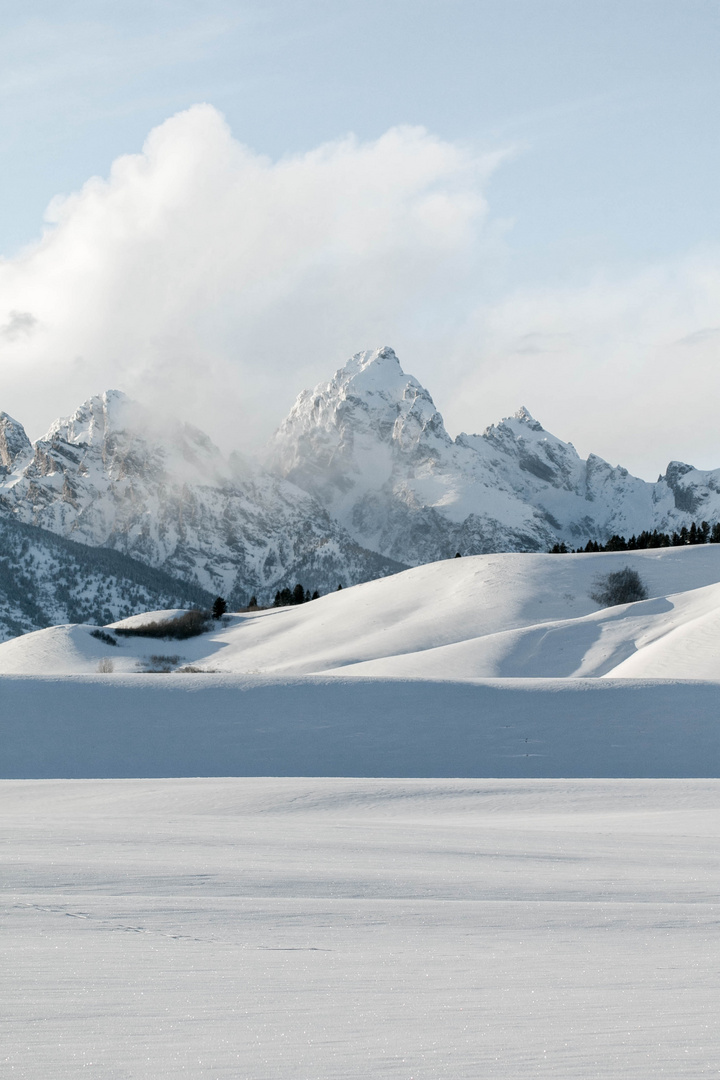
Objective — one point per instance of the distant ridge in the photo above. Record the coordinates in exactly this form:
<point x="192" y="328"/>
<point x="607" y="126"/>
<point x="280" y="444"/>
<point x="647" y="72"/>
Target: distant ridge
<point x="46" y="579"/>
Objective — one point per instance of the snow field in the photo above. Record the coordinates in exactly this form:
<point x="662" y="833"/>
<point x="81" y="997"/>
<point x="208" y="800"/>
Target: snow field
<point x="215" y="725"/>
<point x="291" y="929"/>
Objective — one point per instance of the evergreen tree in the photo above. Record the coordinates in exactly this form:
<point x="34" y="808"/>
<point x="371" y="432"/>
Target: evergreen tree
<point x="219" y="607"/>
<point x="298" y="596"/>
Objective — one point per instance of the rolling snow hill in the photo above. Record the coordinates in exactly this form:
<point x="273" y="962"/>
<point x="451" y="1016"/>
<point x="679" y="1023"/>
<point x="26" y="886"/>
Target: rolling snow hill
<point x="494" y="665"/>
<point x="487" y="616"/>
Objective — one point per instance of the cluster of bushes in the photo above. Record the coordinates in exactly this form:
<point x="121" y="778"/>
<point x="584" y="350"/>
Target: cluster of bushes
<point x="696" y="534"/>
<point x="187" y="625"/>
<point x="159" y="664"/>
<point x="298" y="595"/>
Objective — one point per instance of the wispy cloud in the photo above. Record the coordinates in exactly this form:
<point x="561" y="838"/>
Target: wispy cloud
<point x="20" y="324"/>
<point x="700" y="337"/>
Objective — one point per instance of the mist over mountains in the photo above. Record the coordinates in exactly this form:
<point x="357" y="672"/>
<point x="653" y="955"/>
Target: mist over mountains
<point x="359" y="481"/>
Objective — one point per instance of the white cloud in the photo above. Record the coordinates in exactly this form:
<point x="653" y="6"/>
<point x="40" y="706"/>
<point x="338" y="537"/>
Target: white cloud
<point x="207" y="277"/>
<point x="211" y="280"/>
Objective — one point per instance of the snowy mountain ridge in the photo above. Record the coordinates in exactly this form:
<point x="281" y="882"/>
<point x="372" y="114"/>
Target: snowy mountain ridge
<point x="113" y="476"/>
<point x="360" y="480"/>
<point x="372" y="448"/>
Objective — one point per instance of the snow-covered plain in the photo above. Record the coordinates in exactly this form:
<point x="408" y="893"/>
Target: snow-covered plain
<point x="266" y="927"/>
<point x="262" y="929"/>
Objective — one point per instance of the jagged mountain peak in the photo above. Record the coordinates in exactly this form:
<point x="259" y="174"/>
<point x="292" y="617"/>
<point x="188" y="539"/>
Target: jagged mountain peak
<point x="355" y="432"/>
<point x="379" y="364"/>
<point x="522" y="431"/>
<point x="96" y="418"/>
<point x="114" y="426"/>
<point x="525" y="417"/>
<point x="372" y="384"/>
<point x="14" y="443"/>
<point x="372" y="379"/>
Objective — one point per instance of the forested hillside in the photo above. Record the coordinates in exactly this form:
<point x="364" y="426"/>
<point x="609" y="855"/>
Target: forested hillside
<point x="45" y="579"/>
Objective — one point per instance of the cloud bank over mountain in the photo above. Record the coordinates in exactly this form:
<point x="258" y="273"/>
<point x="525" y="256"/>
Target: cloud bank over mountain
<point x="203" y="273"/>
<point x="214" y="281"/>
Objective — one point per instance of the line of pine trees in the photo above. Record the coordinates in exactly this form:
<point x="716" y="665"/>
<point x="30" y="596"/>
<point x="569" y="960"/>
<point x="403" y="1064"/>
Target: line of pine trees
<point x="298" y="595"/>
<point x="703" y="533"/>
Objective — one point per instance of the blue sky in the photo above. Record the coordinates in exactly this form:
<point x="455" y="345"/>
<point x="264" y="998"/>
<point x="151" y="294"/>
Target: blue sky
<point x="592" y="130"/>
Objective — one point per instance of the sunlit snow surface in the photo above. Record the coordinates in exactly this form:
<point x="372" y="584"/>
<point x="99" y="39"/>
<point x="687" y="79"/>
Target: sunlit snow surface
<point x="486" y="616"/>
<point x="314" y="929"/>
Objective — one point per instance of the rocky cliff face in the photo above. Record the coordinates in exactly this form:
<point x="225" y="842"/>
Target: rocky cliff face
<point x="112" y="475"/>
<point x="372" y="448"/>
<point x="15" y="447"/>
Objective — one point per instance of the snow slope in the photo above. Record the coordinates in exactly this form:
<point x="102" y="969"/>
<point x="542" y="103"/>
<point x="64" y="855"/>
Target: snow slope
<point x="347" y="930"/>
<point x="485" y="616"/>
<point x="498" y="665"/>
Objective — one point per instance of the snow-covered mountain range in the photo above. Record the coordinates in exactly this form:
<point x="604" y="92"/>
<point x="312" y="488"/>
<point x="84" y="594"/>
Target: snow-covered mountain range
<point x="113" y="475"/>
<point x="372" y="448"/>
<point x="359" y="481"/>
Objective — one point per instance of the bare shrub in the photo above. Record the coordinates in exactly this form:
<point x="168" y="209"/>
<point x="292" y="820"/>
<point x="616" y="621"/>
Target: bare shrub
<point x="105" y="666"/>
<point x="621" y="587"/>
<point x="159" y="664"/>
<point x="189" y="624"/>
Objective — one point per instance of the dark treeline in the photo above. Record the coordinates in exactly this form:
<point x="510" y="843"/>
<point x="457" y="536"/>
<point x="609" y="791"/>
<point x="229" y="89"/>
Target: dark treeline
<point x="189" y="624"/>
<point x="298" y="595"/>
<point x="696" y="534"/>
